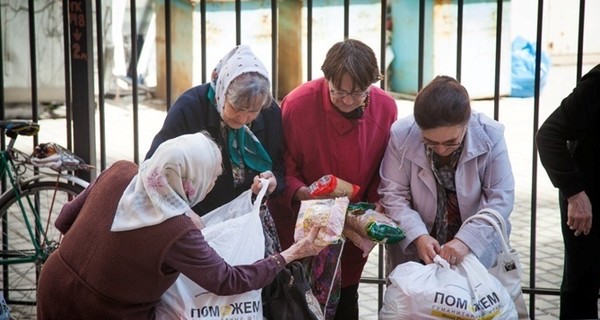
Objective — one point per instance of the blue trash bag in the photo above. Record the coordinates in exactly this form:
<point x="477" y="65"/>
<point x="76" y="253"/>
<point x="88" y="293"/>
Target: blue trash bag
<point x="4" y="309"/>
<point x="523" y="68"/>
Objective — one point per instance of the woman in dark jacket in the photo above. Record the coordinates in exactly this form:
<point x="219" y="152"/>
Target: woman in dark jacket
<point x="238" y="111"/>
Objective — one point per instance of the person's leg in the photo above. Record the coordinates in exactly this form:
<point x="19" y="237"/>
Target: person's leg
<point x="347" y="308"/>
<point x="581" y="271"/>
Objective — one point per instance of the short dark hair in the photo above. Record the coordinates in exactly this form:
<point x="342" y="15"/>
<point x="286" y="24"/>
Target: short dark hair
<point x="354" y="58"/>
<point x="444" y="102"/>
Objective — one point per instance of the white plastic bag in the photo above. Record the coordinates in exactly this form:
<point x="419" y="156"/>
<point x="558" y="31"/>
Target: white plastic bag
<point x="436" y="291"/>
<point x="508" y="266"/>
<point x="235" y="231"/>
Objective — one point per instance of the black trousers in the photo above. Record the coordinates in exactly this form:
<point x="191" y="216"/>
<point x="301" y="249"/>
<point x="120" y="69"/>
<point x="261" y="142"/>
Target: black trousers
<point x="347" y="308"/>
<point x="581" y="272"/>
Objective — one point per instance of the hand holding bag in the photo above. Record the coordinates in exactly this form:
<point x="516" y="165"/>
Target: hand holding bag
<point x="235" y="232"/>
<point x="508" y="267"/>
<point x="438" y="291"/>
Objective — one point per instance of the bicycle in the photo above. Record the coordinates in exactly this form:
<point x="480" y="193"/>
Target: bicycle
<point x="35" y="192"/>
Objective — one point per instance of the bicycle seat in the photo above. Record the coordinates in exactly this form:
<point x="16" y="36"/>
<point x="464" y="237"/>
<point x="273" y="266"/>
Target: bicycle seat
<point x="12" y="128"/>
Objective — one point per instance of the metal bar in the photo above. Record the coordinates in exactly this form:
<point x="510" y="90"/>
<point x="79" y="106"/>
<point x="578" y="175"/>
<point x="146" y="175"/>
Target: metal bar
<point x="580" y="39"/>
<point x="536" y="114"/>
<point x="309" y="30"/>
<point x="82" y="81"/>
<point x="67" y="73"/>
<point x="238" y="22"/>
<point x="459" y="39"/>
<point x="346" y="19"/>
<point x="421" y="44"/>
<point x="33" y="66"/>
<point x="101" y="111"/>
<point x="168" y="54"/>
<point x="134" y="81"/>
<point x="274" y="49"/>
<point x="203" y="39"/>
<point x="499" y="7"/>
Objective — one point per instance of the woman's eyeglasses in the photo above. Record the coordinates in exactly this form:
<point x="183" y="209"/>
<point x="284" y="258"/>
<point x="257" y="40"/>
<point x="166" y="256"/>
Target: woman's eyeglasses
<point x="448" y="144"/>
<point x="341" y="94"/>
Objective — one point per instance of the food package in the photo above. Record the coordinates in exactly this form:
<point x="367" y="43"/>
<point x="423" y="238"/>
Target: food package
<point x="367" y="228"/>
<point x="332" y="186"/>
<point x="327" y="213"/>
<point x="364" y="244"/>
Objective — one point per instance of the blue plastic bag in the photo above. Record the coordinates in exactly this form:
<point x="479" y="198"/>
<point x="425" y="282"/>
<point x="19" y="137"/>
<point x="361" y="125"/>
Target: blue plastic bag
<point x="4" y="309"/>
<point x="523" y="68"/>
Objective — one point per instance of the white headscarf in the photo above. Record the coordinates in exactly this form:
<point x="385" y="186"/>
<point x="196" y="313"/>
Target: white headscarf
<point x="239" y="60"/>
<point x="178" y="176"/>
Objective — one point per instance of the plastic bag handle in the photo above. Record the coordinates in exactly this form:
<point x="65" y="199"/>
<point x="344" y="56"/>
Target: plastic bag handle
<point x="261" y="194"/>
<point x="498" y="224"/>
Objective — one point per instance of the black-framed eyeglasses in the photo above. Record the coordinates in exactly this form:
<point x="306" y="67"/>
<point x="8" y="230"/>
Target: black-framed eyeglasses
<point x="341" y="94"/>
<point x="448" y="144"/>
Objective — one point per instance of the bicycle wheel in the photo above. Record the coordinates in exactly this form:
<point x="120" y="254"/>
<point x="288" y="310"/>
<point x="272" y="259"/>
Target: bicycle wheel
<point x="19" y="277"/>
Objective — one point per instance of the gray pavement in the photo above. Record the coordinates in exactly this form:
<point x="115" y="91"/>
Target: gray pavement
<point x="516" y="113"/>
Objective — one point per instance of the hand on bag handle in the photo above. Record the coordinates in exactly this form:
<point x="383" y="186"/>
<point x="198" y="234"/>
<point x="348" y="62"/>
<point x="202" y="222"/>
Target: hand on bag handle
<point x="264" y="186"/>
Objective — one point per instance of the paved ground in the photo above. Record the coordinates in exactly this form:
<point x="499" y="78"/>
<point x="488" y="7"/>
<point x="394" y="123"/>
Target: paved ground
<point x="516" y="113"/>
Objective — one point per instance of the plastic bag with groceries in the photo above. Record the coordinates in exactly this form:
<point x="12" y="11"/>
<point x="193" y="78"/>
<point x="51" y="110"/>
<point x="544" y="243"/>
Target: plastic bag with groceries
<point x="327" y="213"/>
<point x="366" y="227"/>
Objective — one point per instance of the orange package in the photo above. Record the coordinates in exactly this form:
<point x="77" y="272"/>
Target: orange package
<point x="332" y="186"/>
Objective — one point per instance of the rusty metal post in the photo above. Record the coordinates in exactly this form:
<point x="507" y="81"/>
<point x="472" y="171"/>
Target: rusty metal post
<point x="290" y="46"/>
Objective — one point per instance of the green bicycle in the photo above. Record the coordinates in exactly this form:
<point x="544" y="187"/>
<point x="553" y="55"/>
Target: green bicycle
<point x="35" y="187"/>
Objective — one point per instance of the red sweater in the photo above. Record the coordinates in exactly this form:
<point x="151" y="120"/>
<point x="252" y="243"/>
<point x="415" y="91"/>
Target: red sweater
<point x="319" y="141"/>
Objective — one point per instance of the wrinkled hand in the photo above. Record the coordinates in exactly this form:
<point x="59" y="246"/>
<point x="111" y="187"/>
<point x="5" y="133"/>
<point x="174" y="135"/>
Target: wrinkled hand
<point x="427" y="248"/>
<point x="195" y="219"/>
<point x="304" y="248"/>
<point x="579" y="213"/>
<point x="454" y="251"/>
<point x="256" y="184"/>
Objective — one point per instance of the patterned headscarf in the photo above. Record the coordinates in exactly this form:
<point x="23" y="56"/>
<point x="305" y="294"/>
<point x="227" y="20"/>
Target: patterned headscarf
<point x="242" y="143"/>
<point x="239" y="60"/>
<point x="178" y="176"/>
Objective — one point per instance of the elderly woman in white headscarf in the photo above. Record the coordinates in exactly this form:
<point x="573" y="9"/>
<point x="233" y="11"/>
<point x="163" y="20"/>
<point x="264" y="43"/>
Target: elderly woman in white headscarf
<point x="238" y="111"/>
<point x="129" y="235"/>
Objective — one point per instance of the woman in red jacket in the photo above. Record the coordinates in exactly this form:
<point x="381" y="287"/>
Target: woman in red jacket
<point x="338" y="124"/>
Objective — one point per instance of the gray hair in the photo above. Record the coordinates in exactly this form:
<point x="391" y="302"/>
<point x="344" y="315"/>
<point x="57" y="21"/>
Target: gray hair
<point x="248" y="91"/>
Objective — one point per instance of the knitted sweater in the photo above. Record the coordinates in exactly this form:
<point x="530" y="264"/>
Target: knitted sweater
<point x="111" y="280"/>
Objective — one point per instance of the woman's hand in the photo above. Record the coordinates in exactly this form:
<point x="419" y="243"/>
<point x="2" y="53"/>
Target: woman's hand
<point x="195" y="219"/>
<point x="256" y="185"/>
<point x="427" y="247"/>
<point x="303" y="248"/>
<point x="454" y="251"/>
<point x="303" y="193"/>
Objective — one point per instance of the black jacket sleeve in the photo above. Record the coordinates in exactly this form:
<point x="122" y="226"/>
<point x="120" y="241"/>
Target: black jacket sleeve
<point x="569" y="137"/>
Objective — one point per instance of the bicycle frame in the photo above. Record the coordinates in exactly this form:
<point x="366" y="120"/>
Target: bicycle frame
<point x="15" y="174"/>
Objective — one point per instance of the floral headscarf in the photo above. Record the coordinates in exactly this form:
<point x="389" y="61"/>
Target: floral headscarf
<point x="178" y="176"/>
